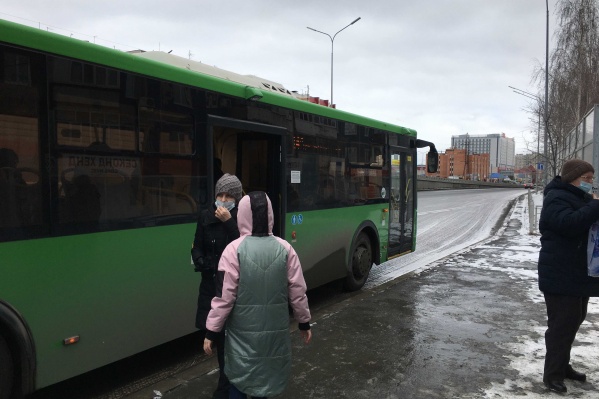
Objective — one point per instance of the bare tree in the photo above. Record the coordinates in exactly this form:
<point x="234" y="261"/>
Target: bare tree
<point x="573" y="77"/>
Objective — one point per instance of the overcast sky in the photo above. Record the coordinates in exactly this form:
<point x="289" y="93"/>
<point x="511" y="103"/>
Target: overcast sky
<point x="441" y="67"/>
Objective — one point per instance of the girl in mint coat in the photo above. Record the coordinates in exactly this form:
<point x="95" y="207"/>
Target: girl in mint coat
<point x="261" y="276"/>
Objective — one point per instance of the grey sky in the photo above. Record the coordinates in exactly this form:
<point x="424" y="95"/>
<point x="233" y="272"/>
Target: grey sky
<point x="441" y="67"/>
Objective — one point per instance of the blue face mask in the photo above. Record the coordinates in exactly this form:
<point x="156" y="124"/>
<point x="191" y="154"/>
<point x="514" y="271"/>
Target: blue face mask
<point x="586" y="187"/>
<point x="226" y="204"/>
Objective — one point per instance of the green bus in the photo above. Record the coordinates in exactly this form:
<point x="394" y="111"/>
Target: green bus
<point x="106" y="157"/>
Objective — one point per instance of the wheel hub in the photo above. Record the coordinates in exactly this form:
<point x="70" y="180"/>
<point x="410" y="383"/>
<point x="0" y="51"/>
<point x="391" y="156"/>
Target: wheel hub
<point x="361" y="262"/>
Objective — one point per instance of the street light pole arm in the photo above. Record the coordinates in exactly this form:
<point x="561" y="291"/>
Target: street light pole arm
<point x="540" y="101"/>
<point x="525" y="93"/>
<point x="324" y="33"/>
<point x="348" y="25"/>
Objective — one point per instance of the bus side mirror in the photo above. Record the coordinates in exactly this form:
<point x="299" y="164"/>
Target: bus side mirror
<point x="432" y="161"/>
<point x="432" y="158"/>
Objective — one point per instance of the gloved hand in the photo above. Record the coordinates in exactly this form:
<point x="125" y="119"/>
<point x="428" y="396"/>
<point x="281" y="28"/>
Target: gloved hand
<point x="198" y="260"/>
<point x="199" y="265"/>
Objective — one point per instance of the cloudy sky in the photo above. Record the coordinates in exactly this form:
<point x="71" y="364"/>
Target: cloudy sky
<point x="441" y="67"/>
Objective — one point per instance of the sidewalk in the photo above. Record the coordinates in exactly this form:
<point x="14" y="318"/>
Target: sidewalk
<point x="470" y="326"/>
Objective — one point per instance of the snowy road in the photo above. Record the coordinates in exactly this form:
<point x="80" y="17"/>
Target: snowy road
<point x="448" y="221"/>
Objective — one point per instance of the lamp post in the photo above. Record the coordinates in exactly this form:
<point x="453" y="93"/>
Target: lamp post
<point x="546" y="90"/>
<point x="332" y="40"/>
<point x="546" y="102"/>
<point x="534" y="97"/>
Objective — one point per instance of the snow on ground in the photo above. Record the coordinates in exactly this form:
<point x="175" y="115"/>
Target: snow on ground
<point x="528" y="353"/>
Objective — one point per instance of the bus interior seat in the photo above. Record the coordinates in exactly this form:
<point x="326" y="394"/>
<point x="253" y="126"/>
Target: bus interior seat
<point x="161" y="196"/>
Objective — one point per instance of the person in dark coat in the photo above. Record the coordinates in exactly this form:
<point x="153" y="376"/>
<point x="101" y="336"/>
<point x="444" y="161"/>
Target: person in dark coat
<point x="569" y="210"/>
<point x="216" y="228"/>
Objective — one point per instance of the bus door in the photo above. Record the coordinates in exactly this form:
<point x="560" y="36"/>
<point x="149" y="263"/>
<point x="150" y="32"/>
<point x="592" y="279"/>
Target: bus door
<point x="255" y="153"/>
<point x="401" y="198"/>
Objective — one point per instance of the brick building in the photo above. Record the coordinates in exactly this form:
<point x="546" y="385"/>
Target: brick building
<point x="501" y="149"/>
<point x="454" y="164"/>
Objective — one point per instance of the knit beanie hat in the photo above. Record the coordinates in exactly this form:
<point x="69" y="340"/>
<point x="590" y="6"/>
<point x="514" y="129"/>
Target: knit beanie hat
<point x="229" y="184"/>
<point x="575" y="168"/>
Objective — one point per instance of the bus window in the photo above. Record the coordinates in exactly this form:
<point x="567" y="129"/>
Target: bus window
<point x="165" y="187"/>
<point x="20" y="183"/>
<point x="103" y="178"/>
<point x="339" y="172"/>
<point x="165" y="132"/>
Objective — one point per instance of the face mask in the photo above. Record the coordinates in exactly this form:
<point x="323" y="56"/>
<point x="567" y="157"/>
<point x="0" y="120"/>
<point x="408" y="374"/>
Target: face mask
<point x="226" y="204"/>
<point x="586" y="187"/>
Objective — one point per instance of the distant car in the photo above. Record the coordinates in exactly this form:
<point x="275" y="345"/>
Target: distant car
<point x="529" y="185"/>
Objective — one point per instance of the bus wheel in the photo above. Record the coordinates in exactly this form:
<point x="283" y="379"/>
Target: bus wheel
<point x="361" y="262"/>
<point x="6" y="370"/>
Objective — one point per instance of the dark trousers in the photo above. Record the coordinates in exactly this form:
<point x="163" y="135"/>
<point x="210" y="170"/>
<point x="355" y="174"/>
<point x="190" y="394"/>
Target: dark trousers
<point x="222" y="389"/>
<point x="235" y="393"/>
<point x="565" y="314"/>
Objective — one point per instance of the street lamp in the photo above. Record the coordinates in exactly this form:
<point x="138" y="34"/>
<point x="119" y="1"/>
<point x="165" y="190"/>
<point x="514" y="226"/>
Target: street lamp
<point x="546" y="89"/>
<point x="332" y="40"/>
<point x="534" y="97"/>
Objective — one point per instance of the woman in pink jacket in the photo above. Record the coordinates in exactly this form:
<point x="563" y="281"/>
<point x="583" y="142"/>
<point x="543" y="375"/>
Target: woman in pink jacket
<point x="261" y="276"/>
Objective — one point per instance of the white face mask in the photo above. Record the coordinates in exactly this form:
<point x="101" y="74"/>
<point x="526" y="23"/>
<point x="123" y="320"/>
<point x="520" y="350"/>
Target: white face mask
<point x="226" y="204"/>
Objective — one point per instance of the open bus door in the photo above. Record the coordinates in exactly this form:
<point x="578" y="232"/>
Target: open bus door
<point x="401" y="207"/>
<point x="402" y="200"/>
<point x="254" y="152"/>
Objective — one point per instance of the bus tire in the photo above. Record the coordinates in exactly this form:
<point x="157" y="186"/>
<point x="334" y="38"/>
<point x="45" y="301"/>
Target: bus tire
<point x="6" y="370"/>
<point x="360" y="263"/>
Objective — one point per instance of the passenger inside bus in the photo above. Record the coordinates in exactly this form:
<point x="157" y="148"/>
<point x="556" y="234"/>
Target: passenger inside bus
<point x="83" y="199"/>
<point x="9" y="160"/>
<point x="12" y="186"/>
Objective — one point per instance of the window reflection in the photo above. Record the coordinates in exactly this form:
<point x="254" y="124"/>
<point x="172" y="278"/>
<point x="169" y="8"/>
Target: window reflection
<point x="123" y="157"/>
<point x="343" y="170"/>
<point x="20" y="183"/>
